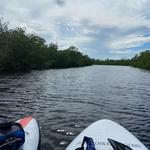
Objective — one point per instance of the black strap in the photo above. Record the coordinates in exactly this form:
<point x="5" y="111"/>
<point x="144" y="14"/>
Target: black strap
<point x="11" y="144"/>
<point x="6" y="125"/>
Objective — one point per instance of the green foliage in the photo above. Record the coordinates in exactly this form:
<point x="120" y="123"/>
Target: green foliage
<point x="72" y="58"/>
<point x="142" y="61"/>
<point x="20" y="51"/>
<point x="121" y="62"/>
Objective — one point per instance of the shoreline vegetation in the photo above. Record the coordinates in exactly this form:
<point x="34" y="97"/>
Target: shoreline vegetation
<point x="141" y="60"/>
<point x="20" y="51"/>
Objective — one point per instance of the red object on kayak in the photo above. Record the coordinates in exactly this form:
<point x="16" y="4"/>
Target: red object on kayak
<point x="25" y="121"/>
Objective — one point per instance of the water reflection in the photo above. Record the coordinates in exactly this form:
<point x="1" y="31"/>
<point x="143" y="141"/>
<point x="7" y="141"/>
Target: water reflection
<point x="69" y="100"/>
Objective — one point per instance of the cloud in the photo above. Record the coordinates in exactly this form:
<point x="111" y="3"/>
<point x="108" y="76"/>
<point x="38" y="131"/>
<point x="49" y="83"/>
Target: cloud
<point x="60" y="2"/>
<point x="130" y="41"/>
<point x="100" y="28"/>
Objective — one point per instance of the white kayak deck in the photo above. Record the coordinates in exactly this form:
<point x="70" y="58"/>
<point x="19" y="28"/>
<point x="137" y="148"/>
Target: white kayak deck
<point x="101" y="130"/>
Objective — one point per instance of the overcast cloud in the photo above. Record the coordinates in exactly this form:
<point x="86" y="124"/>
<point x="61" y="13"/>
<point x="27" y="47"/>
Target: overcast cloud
<point x="99" y="28"/>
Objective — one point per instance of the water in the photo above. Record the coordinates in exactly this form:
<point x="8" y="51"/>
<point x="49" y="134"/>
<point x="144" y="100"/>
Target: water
<point x="66" y="101"/>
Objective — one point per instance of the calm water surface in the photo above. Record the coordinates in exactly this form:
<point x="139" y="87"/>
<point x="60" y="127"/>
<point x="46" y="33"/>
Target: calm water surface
<point x="66" y="101"/>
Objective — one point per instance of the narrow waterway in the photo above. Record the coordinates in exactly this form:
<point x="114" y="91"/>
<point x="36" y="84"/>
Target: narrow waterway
<point x="65" y="101"/>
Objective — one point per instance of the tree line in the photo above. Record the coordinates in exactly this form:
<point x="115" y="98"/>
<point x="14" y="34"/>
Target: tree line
<point x="141" y="60"/>
<point x="20" y="51"/>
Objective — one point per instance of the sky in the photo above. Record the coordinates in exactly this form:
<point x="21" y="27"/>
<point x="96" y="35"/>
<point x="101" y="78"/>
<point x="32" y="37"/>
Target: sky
<point x="115" y="29"/>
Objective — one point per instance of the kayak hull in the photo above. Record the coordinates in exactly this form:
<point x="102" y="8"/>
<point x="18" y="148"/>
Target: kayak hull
<point x="101" y="130"/>
<point x="32" y="135"/>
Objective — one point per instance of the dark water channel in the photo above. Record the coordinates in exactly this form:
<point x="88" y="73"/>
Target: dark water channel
<point x="66" y="101"/>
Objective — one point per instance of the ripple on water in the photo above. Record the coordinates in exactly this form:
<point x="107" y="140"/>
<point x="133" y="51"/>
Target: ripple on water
<point x="66" y="101"/>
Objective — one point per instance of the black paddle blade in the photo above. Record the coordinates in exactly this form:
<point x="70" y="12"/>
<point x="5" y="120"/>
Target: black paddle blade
<point x="118" y="146"/>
